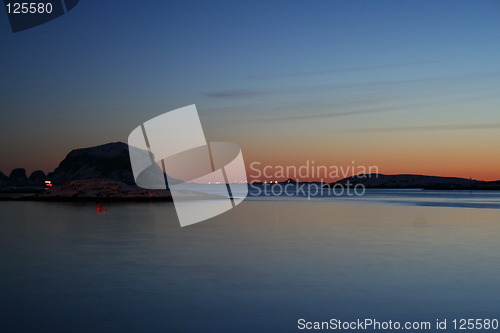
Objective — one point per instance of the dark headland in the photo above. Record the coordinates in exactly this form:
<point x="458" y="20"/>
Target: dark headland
<point x="102" y="172"/>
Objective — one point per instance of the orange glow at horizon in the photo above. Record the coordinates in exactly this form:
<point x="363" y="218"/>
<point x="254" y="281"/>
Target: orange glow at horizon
<point x="433" y="154"/>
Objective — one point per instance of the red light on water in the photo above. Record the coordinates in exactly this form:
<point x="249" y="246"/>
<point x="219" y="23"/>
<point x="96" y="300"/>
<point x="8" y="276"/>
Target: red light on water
<point x="100" y="208"/>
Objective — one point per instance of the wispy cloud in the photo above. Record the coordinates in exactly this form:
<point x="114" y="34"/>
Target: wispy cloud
<point x="341" y="70"/>
<point x="337" y="114"/>
<point x="430" y="128"/>
<point x="393" y="108"/>
<point x="111" y="109"/>
<point x="251" y="93"/>
<point x="237" y="93"/>
<point x="332" y="114"/>
<point x="245" y="93"/>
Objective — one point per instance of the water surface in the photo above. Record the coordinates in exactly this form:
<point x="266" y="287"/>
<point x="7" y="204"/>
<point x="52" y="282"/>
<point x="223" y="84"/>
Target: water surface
<point x="257" y="268"/>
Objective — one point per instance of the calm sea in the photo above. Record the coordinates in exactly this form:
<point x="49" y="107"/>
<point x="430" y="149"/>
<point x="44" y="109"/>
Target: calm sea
<point x="399" y="255"/>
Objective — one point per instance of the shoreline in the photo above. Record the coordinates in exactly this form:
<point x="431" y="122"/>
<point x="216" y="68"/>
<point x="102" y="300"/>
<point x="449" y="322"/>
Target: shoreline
<point x="24" y="196"/>
<point x="85" y="199"/>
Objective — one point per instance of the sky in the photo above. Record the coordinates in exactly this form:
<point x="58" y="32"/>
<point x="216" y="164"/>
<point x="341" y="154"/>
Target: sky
<point x="407" y="86"/>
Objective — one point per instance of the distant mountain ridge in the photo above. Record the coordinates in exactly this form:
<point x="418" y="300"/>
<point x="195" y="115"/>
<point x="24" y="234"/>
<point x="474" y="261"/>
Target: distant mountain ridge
<point x="415" y="181"/>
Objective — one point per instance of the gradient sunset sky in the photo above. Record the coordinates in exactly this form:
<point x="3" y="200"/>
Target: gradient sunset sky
<point x="408" y="86"/>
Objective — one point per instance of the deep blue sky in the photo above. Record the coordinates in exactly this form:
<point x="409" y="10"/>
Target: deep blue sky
<point x="412" y="86"/>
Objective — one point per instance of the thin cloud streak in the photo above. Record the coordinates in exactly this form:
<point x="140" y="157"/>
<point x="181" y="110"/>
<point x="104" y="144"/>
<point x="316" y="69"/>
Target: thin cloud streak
<point x="333" y="115"/>
<point x="429" y="128"/>
<point x="125" y="108"/>
<point x="237" y="93"/>
<point x="341" y="70"/>
<point x="342" y="114"/>
<point x="366" y="111"/>
<point x="246" y="93"/>
<point x="355" y="101"/>
<point x="252" y="93"/>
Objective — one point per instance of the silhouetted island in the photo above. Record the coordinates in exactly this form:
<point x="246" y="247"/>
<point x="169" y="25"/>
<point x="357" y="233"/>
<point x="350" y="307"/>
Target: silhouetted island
<point x="408" y="181"/>
<point x="102" y="172"/>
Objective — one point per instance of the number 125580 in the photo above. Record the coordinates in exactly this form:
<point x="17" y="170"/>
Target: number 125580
<point x="29" y="8"/>
<point x="475" y="324"/>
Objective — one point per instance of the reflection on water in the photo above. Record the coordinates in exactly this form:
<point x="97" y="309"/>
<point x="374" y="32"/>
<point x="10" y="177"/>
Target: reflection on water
<point x="257" y="268"/>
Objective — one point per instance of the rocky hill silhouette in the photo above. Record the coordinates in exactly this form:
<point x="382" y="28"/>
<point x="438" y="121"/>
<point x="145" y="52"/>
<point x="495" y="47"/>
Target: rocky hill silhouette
<point x="108" y="162"/>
